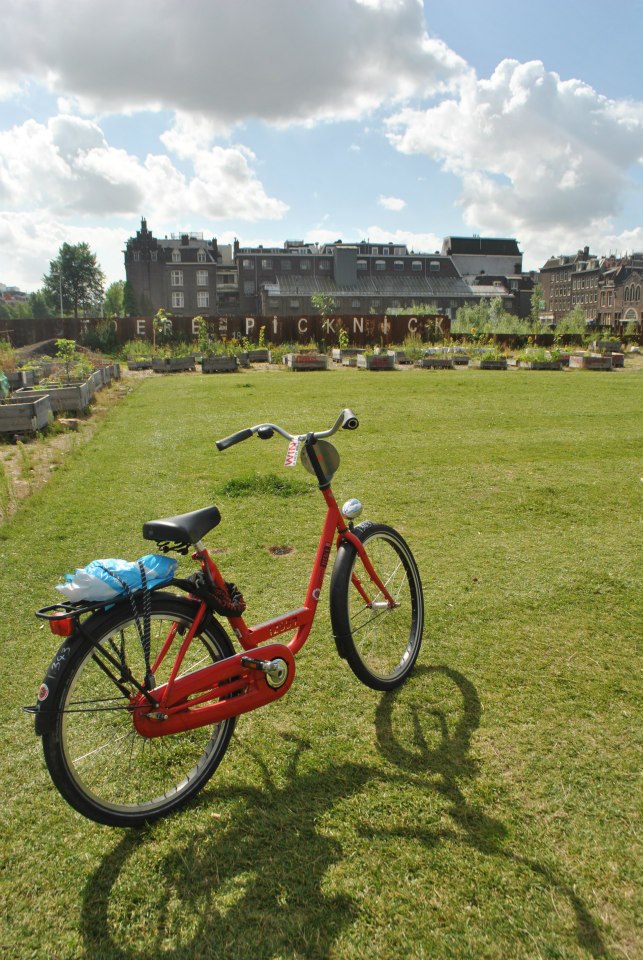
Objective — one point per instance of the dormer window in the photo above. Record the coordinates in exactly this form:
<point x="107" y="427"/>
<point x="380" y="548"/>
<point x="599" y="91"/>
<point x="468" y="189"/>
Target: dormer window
<point x="201" y="256"/>
<point x="176" y="256"/>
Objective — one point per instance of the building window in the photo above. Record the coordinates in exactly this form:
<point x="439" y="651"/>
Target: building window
<point x="176" y="278"/>
<point x="380" y="265"/>
<point x="362" y="266"/>
<point x="176" y="256"/>
<point x="177" y="301"/>
<point x="304" y="265"/>
<point x="375" y="251"/>
<point x="248" y="287"/>
<point x="137" y="255"/>
<point x="294" y="304"/>
<point x="398" y="265"/>
<point x="399" y="251"/>
<point x="416" y="266"/>
<point x="202" y="278"/>
<point x="434" y="266"/>
<point x="201" y="256"/>
<point x="324" y="265"/>
<point x="247" y="264"/>
<point x="202" y="299"/>
<point x="273" y="303"/>
<point x="375" y="304"/>
<point x="286" y="266"/>
<point x="266" y="264"/>
<point x="154" y="256"/>
<point x="355" y="304"/>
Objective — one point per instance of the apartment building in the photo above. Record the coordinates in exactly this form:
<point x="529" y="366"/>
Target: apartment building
<point x="605" y="288"/>
<point x="187" y="275"/>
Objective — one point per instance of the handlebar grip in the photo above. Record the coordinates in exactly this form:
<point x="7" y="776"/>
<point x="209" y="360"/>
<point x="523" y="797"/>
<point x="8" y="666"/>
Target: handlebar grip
<point x="232" y="439"/>
<point x="350" y="421"/>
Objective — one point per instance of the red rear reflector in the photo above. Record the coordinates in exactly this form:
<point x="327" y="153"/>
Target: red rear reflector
<point x="62" y="627"/>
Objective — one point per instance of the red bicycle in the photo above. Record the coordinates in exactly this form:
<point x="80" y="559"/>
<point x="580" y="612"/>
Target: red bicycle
<point x="138" y="706"/>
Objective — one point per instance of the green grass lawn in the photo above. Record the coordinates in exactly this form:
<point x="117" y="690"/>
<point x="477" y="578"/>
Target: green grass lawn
<point x="488" y="809"/>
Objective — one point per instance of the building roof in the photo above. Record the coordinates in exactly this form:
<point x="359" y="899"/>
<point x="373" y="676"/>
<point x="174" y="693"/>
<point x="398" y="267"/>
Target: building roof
<point x="388" y="286"/>
<point x="486" y="246"/>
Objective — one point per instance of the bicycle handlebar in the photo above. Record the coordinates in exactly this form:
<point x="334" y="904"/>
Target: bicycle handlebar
<point x="346" y="420"/>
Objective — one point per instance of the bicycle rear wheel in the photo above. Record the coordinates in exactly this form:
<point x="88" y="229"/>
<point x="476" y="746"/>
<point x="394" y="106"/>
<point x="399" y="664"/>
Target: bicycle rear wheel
<point x="380" y="642"/>
<point x="96" y="758"/>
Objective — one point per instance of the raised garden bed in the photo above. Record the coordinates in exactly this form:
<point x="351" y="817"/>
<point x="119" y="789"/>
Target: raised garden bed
<point x="259" y="356"/>
<point x="64" y="398"/>
<point x="590" y="361"/>
<point x="339" y="354"/>
<point x="493" y="364"/>
<point x="618" y="359"/>
<point x="143" y="363"/>
<point x="349" y="361"/>
<point x="219" y="364"/>
<point x="400" y="357"/>
<point x="173" y="364"/>
<point x="460" y="360"/>
<point x="20" y="378"/>
<point x="376" y="361"/>
<point x="306" y="361"/>
<point x="18" y="415"/>
<point x="435" y="363"/>
<point x="541" y="364"/>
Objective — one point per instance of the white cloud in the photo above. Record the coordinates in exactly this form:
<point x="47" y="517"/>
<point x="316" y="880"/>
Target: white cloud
<point x="286" y="62"/>
<point x="536" y="154"/>
<point x="391" y="203"/>
<point x="58" y="178"/>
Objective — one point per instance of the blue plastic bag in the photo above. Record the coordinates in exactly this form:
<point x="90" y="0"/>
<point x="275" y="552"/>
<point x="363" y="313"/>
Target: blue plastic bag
<point x="95" y="581"/>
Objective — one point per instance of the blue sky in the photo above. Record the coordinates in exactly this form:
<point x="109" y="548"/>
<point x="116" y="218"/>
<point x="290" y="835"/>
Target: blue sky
<point x="269" y="120"/>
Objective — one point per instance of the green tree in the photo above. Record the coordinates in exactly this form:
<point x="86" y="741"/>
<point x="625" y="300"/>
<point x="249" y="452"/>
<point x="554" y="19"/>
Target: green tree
<point x="114" y="299"/>
<point x="324" y="304"/>
<point x="75" y="277"/>
<point x="38" y="306"/>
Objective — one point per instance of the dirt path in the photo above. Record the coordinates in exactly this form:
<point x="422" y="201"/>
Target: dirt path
<point x="27" y="465"/>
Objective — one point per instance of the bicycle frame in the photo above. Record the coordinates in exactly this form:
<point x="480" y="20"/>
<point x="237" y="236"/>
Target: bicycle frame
<point x="183" y="703"/>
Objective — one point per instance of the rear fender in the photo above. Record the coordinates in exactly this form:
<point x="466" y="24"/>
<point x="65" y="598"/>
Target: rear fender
<point x="45" y="718"/>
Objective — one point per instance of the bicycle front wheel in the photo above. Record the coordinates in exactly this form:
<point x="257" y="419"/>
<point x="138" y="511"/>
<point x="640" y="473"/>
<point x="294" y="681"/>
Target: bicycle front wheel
<point x="96" y="758"/>
<point x="380" y="641"/>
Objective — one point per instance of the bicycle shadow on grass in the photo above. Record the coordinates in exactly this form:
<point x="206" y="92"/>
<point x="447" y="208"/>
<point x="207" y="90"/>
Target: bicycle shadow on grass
<point x="250" y="887"/>
<point x="442" y="763"/>
<point x="255" y="885"/>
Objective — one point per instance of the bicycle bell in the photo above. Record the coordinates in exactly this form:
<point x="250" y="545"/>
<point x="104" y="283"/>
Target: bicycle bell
<point x="352" y="508"/>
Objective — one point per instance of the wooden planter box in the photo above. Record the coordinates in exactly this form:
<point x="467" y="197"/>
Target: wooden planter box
<point x="20" y="378"/>
<point x="259" y="356"/>
<point x="340" y="355"/>
<point x="618" y="360"/>
<point x="436" y="363"/>
<point x="219" y="365"/>
<point x="378" y="361"/>
<point x="399" y="357"/>
<point x="493" y="364"/>
<point x="95" y="381"/>
<point x="541" y="364"/>
<point x="460" y="360"/>
<point x="145" y="363"/>
<point x="173" y="364"/>
<point x="607" y="346"/>
<point x="25" y="416"/>
<point x="590" y="362"/>
<point x="349" y="361"/>
<point x="306" y="361"/>
<point x="67" y="398"/>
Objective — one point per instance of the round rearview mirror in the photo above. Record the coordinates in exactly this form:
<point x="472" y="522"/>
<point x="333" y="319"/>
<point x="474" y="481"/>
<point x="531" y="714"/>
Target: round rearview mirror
<point x="327" y="456"/>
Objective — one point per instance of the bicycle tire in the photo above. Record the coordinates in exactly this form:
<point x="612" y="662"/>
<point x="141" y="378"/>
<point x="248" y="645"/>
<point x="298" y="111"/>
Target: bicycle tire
<point x="381" y="644"/>
<point x="95" y="757"/>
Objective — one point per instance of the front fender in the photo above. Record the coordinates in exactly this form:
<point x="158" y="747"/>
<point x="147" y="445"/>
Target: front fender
<point x="339" y="581"/>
